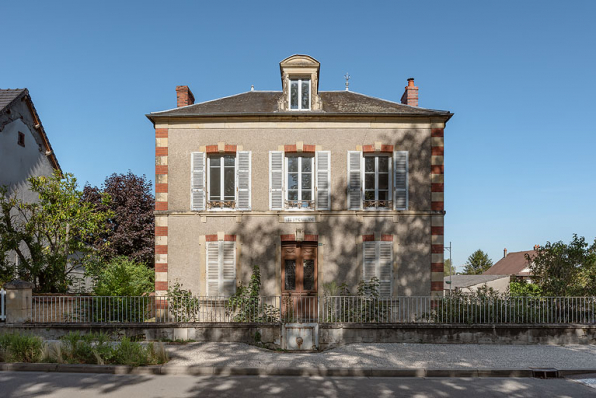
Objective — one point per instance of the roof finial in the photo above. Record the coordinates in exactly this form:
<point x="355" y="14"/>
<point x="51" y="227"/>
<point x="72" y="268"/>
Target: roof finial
<point x="252" y="87"/>
<point x="347" y="77"/>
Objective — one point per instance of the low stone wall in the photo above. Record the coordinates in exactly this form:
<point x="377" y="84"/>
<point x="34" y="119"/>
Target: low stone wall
<point x="330" y="335"/>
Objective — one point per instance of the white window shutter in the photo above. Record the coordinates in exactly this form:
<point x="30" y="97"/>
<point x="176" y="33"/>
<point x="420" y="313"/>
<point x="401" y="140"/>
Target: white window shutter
<point x="243" y="180"/>
<point x="228" y="280"/>
<point x="197" y="181"/>
<point x="213" y="267"/>
<point x="385" y="268"/>
<point x="369" y="255"/>
<point x="276" y="179"/>
<point x="400" y="171"/>
<point x="354" y="180"/>
<point x="323" y="162"/>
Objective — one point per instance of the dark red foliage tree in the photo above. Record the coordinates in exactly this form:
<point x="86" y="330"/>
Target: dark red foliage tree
<point x="131" y="230"/>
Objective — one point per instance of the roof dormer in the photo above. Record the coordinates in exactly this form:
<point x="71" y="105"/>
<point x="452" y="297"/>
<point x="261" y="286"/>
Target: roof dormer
<point x="300" y="84"/>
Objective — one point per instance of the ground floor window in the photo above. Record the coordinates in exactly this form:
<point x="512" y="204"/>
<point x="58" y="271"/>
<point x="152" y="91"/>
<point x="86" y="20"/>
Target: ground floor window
<point x="221" y="268"/>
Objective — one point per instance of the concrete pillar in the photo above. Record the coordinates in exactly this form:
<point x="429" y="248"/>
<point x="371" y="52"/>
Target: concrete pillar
<point x="19" y="301"/>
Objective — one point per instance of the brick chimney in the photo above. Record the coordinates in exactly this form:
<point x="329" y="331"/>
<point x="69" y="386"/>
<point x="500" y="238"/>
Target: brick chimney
<point x="504" y="252"/>
<point x="184" y="96"/>
<point x="410" y="96"/>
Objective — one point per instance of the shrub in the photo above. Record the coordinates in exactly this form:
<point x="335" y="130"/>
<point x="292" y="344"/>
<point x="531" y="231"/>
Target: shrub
<point x="247" y="306"/>
<point x="15" y="347"/>
<point x="181" y="304"/>
<point x="124" y="277"/>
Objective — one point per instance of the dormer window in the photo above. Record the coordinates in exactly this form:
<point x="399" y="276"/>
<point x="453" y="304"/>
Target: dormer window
<point x="299" y="94"/>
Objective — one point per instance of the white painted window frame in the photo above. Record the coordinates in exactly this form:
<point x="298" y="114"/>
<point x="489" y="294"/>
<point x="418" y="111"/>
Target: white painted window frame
<point x="299" y="80"/>
<point x="377" y="265"/>
<point x="222" y="180"/>
<point x="390" y="177"/>
<point x="312" y="179"/>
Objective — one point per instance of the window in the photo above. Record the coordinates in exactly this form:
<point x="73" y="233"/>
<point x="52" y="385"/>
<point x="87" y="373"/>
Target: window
<point x="21" y="139"/>
<point x="226" y="184"/>
<point x="300" y="94"/>
<point x="221" y="268"/>
<point x="377" y="184"/>
<point x="378" y="263"/>
<point x="222" y="181"/>
<point x="299" y="182"/>
<point x="377" y="181"/>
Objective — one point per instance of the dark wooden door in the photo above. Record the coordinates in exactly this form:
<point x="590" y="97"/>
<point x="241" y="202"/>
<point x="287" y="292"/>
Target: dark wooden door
<point x="299" y="281"/>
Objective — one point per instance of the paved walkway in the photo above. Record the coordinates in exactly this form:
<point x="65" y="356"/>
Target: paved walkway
<point x="393" y="356"/>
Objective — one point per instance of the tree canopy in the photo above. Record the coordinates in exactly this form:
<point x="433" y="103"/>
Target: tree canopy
<point x="130" y="230"/>
<point x="561" y="269"/>
<point x="477" y="263"/>
<point x="48" y="236"/>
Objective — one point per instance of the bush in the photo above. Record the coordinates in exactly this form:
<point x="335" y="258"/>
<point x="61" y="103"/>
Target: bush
<point x="524" y="289"/>
<point x="181" y="304"/>
<point x="365" y="306"/>
<point x="16" y="347"/>
<point x="247" y="306"/>
<point x="123" y="277"/>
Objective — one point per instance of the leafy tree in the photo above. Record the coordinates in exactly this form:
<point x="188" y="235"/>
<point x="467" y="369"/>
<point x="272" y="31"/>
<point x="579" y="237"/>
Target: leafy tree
<point x="48" y="236"/>
<point x="524" y="289"/>
<point x="130" y="232"/>
<point x="449" y="269"/>
<point x="124" y="277"/>
<point x="477" y="263"/>
<point x="565" y="269"/>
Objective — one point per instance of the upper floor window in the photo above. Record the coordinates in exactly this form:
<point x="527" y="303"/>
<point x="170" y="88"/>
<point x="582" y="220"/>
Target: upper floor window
<point x="377" y="184"/>
<point x="378" y="181"/>
<point x="220" y="181"/>
<point x="299" y="181"/>
<point x="300" y="94"/>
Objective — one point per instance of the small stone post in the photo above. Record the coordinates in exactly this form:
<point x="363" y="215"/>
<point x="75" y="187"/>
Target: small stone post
<point x="19" y="301"/>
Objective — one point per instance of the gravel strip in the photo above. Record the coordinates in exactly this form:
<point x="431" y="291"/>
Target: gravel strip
<point x="389" y="355"/>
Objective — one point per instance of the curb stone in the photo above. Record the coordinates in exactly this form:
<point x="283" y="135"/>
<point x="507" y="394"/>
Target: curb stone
<point x="274" y="371"/>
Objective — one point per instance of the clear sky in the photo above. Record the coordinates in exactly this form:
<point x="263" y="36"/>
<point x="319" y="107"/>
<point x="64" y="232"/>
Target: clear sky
<point x="520" y="77"/>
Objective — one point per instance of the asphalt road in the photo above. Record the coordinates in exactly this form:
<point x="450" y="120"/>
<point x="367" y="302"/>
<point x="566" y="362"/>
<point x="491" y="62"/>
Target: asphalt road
<point x="37" y="384"/>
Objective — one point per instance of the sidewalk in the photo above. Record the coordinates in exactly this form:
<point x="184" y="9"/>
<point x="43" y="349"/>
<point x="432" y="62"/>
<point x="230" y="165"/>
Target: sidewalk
<point x="388" y="356"/>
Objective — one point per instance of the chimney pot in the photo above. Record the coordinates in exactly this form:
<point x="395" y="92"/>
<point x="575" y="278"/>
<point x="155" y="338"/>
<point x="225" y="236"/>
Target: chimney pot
<point x="184" y="96"/>
<point x="536" y="247"/>
<point x="504" y="252"/>
<point x="410" y="96"/>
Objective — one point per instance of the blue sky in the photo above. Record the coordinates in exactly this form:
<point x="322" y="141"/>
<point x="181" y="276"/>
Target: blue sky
<point x="520" y="77"/>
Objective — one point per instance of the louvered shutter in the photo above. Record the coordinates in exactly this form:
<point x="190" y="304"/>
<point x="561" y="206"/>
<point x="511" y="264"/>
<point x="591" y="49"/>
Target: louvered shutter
<point x="400" y="186"/>
<point x="323" y="162"/>
<point x="243" y="181"/>
<point x="385" y="267"/>
<point x="213" y="268"/>
<point x="276" y="178"/>
<point x="354" y="180"/>
<point x="228" y="279"/>
<point x="197" y="183"/>
<point x="370" y="260"/>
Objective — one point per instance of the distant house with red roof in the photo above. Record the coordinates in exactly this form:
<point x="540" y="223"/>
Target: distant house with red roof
<point x="514" y="263"/>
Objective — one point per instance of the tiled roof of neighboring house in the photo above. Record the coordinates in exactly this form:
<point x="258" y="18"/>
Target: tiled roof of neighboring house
<point x="266" y="103"/>
<point x="9" y="95"/>
<point x="464" y="281"/>
<point x="512" y="264"/>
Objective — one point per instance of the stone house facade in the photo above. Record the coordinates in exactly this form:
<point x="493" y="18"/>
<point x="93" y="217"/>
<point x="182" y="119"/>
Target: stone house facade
<point x="312" y="186"/>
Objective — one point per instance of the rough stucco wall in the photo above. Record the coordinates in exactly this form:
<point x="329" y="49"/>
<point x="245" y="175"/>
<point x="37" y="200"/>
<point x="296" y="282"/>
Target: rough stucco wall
<point x="258" y="235"/>
<point x="182" y="142"/>
<point x="338" y="259"/>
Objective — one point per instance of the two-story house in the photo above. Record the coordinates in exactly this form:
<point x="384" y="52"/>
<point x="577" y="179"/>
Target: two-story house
<point x="312" y="186"/>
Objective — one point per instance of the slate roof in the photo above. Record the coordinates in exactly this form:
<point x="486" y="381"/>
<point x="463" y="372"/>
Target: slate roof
<point x="9" y="95"/>
<point x="464" y="281"/>
<point x="511" y="264"/>
<point x="266" y="103"/>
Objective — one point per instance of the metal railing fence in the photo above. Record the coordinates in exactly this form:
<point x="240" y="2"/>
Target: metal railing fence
<point x="2" y="305"/>
<point x="326" y="309"/>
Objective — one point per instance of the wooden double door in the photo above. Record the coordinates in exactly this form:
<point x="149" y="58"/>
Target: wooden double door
<point x="299" y="281"/>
